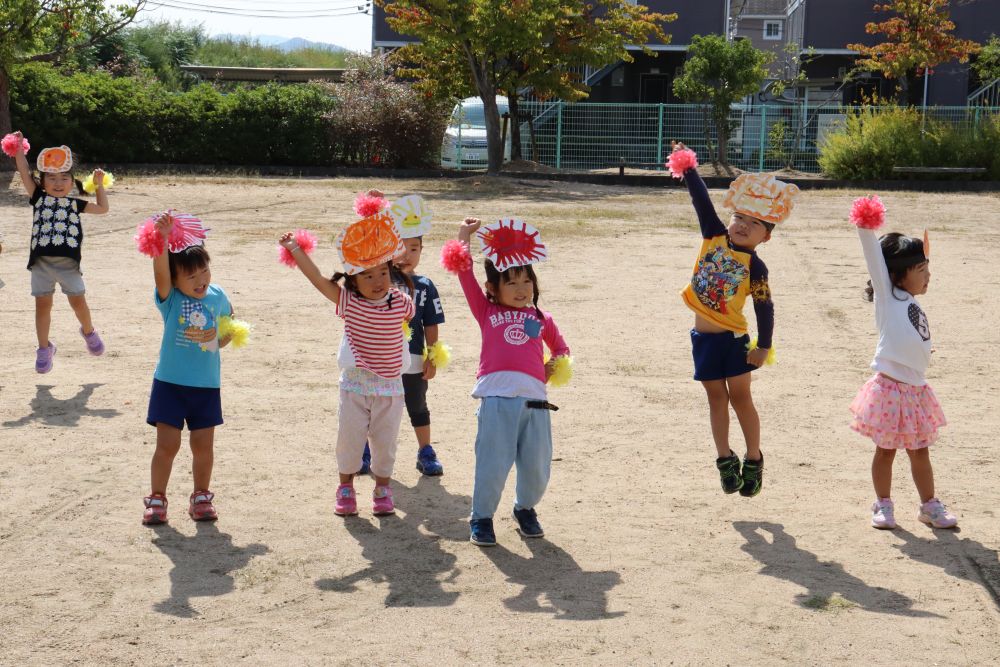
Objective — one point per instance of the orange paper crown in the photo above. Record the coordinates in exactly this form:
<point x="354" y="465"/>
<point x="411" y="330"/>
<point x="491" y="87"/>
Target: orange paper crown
<point x="55" y="160"/>
<point x="369" y="242"/>
<point x="761" y="196"/>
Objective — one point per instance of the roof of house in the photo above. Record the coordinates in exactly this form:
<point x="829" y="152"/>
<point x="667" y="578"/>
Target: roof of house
<point x="758" y="7"/>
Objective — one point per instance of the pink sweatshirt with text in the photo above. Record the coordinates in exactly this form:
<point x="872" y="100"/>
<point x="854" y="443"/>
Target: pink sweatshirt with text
<point x="507" y="345"/>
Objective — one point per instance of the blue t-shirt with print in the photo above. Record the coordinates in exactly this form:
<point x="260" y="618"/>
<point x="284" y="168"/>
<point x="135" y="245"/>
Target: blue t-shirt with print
<point x="182" y="360"/>
<point x="428" y="311"/>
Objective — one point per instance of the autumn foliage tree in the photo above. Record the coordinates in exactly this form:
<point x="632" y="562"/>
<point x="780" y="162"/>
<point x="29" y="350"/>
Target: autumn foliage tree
<point x="490" y="47"/>
<point x="915" y="39"/>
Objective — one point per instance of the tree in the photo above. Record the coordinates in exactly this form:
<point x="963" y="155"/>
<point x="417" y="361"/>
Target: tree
<point x="916" y="39"/>
<point x="987" y="66"/>
<point x="488" y="47"/>
<point x="50" y="30"/>
<point x="719" y="73"/>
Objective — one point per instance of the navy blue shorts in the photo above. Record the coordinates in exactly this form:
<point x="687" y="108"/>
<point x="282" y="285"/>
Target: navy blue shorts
<point x="174" y="404"/>
<point x="719" y="355"/>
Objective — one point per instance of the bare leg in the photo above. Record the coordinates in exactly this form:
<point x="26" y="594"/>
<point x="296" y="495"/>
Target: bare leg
<point x="746" y="413"/>
<point x="882" y="471"/>
<point x="168" y="443"/>
<point x="203" y="457"/>
<point x="43" y="319"/>
<point x="82" y="310"/>
<point x="382" y="481"/>
<point x="923" y="474"/>
<point x="718" y="409"/>
<point x="346" y="479"/>
<point x="423" y="435"/>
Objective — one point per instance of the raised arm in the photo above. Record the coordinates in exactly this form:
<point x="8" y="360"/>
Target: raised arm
<point x="881" y="283"/>
<point x="101" y="207"/>
<point x="467" y="279"/>
<point x="708" y="219"/>
<point x="326" y="287"/>
<point x="161" y="263"/>
<point x="22" y="167"/>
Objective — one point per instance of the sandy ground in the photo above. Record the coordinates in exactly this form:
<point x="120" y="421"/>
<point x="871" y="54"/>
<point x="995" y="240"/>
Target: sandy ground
<point x="645" y="561"/>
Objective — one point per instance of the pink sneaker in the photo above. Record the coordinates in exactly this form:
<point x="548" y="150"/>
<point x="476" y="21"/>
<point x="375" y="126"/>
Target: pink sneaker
<point x="201" y="507"/>
<point x="94" y="343"/>
<point x="156" y="509"/>
<point x="935" y="514"/>
<point x="43" y="358"/>
<point x="882" y="516"/>
<point x="347" y="503"/>
<point x="382" y="501"/>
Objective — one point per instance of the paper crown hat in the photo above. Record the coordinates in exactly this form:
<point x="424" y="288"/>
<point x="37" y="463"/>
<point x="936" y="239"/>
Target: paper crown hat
<point x="412" y="215"/>
<point x="369" y="242"/>
<point x="509" y="242"/>
<point x="761" y="196"/>
<point x="55" y="160"/>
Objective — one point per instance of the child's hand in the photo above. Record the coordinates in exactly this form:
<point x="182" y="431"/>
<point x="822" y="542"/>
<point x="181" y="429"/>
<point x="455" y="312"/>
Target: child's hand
<point x="467" y="227"/>
<point x="288" y="242"/>
<point x="550" y="368"/>
<point x="757" y="356"/>
<point x="19" y="148"/>
<point x="99" y="178"/>
<point x="430" y="370"/>
<point x="677" y="146"/>
<point x="375" y="193"/>
<point x="164" y="224"/>
<point x="224" y="341"/>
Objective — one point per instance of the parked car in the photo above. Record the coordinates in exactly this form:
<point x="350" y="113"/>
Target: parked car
<point x="464" y="142"/>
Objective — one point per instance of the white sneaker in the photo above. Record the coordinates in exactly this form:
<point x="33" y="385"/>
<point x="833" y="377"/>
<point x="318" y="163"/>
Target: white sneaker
<point x="882" y="514"/>
<point x="934" y="513"/>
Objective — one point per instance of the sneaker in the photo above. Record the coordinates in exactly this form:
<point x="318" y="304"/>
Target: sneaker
<point x="882" y="514"/>
<point x="94" y="343"/>
<point x="382" y="501"/>
<point x="43" y="358"/>
<point x="935" y="514"/>
<point x="753" y="477"/>
<point x="729" y="473"/>
<point x="201" y="508"/>
<point x="156" y="509"/>
<point x="427" y="462"/>
<point x="527" y="523"/>
<point x="366" y="461"/>
<point x="481" y="533"/>
<point x="347" y="503"/>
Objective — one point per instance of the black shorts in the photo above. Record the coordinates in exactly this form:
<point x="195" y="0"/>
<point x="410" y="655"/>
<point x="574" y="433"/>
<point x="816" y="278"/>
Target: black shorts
<point x="718" y="356"/>
<point x="174" y="404"/>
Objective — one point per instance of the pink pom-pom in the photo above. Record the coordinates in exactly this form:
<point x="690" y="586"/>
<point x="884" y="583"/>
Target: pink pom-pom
<point x="366" y="205"/>
<point x="455" y="257"/>
<point x="148" y="240"/>
<point x="305" y="240"/>
<point x="9" y="144"/>
<point x="868" y="212"/>
<point x="680" y="161"/>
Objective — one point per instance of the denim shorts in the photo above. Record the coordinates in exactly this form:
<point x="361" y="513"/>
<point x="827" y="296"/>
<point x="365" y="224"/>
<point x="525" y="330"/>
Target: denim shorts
<point x="47" y="271"/>
<point x="174" y="404"/>
<point x="719" y="355"/>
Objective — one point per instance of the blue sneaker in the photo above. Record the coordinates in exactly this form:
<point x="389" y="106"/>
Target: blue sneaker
<point x="366" y="461"/>
<point x="527" y="523"/>
<point x="427" y="462"/>
<point x="481" y="533"/>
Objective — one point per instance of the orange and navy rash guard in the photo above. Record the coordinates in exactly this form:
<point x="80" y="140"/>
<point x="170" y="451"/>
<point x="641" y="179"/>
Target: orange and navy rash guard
<point x="725" y="274"/>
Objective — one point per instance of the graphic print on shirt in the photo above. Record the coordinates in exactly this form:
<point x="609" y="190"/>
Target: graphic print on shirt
<point x="195" y="317"/>
<point x="717" y="278"/>
<point x="514" y="324"/>
<point x="55" y="222"/>
<point x="919" y="321"/>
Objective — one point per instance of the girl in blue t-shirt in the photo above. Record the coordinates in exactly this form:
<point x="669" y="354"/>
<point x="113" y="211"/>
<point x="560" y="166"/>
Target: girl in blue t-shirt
<point x="187" y="377"/>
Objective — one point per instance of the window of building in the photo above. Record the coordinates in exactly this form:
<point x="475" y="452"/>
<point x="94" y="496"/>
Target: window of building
<point x="618" y="77"/>
<point x="772" y="29"/>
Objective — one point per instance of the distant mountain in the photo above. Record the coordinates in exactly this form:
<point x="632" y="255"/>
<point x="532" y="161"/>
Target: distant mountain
<point x="284" y="43"/>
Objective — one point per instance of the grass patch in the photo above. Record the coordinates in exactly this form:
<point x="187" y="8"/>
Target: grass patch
<point x="834" y="602"/>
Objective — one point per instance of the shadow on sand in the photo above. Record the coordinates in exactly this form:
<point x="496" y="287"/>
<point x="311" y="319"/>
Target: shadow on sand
<point x="51" y="411"/>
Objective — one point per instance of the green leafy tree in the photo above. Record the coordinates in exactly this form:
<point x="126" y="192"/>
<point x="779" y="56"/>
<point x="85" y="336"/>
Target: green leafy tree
<point x="490" y="47"/>
<point x="719" y="73"/>
<point x="916" y="38"/>
<point x="987" y="65"/>
<point x="49" y="31"/>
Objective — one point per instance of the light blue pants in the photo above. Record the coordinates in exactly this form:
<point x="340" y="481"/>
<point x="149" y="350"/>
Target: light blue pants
<point x="510" y="433"/>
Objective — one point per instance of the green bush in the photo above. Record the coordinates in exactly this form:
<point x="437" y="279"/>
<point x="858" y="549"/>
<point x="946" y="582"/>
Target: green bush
<point x="876" y="139"/>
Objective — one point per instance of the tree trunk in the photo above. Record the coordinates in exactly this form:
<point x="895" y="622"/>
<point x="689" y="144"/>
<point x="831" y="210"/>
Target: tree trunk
<point x="5" y="121"/>
<point x="494" y="147"/>
<point x="515" y="128"/>
<point x="722" y="131"/>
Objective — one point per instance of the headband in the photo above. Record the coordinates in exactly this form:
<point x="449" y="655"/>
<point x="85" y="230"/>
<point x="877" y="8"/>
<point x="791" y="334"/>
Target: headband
<point x="55" y="160"/>
<point x="510" y="242"/>
<point x="761" y="196"/>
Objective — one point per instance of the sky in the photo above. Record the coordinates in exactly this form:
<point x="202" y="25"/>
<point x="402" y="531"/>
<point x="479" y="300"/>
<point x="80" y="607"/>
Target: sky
<point x="309" y="19"/>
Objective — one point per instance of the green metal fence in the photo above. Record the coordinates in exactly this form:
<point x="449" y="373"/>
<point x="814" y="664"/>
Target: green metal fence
<point x="591" y="136"/>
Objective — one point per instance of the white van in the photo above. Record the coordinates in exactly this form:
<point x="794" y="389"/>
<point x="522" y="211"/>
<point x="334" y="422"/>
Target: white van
<point x="464" y="142"/>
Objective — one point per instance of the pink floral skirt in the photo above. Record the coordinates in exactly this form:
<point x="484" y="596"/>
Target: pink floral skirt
<point x="897" y="415"/>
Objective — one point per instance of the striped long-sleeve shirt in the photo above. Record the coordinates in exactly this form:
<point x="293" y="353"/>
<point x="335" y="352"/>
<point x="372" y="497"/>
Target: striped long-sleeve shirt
<point x="374" y="331"/>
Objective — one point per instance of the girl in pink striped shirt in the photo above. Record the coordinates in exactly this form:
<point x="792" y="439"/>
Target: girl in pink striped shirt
<point x="514" y="414"/>
<point x="373" y="355"/>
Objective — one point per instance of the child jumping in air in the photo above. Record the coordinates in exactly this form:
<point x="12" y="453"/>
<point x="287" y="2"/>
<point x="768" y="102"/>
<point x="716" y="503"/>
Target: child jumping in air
<point x="728" y="270"/>
<point x="373" y="353"/>
<point x="514" y="414"/>
<point x="187" y="379"/>
<point x="896" y="408"/>
<point x="56" y="241"/>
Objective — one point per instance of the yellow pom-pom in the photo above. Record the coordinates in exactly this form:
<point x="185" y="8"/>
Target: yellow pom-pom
<point x="407" y="330"/>
<point x="562" y="371"/>
<point x="90" y="188"/>
<point x="771" y="356"/>
<point x="237" y="330"/>
<point x="438" y="354"/>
